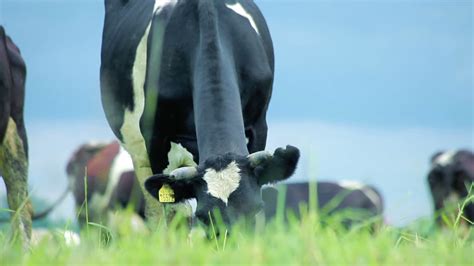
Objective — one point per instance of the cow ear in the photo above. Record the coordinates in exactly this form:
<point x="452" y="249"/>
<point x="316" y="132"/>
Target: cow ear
<point x="277" y="167"/>
<point x="167" y="189"/>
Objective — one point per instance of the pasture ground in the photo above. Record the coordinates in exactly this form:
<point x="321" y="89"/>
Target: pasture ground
<point x="305" y="242"/>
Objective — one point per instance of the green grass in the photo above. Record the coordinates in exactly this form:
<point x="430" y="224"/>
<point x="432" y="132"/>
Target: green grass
<point x="316" y="239"/>
<point x="303" y="242"/>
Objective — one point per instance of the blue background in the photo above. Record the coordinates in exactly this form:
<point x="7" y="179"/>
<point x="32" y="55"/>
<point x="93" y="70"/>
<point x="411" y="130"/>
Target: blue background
<point x="367" y="89"/>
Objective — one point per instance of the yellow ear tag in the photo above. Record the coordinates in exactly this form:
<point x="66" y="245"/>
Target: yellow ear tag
<point x="166" y="194"/>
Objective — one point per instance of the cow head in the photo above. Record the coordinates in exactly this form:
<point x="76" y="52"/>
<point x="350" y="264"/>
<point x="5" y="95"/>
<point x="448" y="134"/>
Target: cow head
<point x="229" y="184"/>
<point x="449" y="178"/>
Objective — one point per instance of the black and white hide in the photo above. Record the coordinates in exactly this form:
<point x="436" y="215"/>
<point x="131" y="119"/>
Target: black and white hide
<point x="198" y="73"/>
<point x="450" y="177"/>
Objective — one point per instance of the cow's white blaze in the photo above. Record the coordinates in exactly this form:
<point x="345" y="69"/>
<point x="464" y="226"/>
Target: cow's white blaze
<point x="221" y="184"/>
<point x="445" y="158"/>
<point x="239" y="9"/>
<point x="368" y="191"/>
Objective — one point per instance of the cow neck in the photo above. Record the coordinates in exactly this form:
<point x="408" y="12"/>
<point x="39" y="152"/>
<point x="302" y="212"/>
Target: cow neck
<point x="216" y="97"/>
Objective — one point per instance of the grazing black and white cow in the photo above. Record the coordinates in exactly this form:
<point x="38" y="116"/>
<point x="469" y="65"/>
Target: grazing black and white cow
<point x="13" y="141"/>
<point x="198" y="73"/>
<point x="450" y="177"/>
<point x="332" y="197"/>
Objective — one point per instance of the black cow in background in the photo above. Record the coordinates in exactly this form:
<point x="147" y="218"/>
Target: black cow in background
<point x="13" y="141"/>
<point x="198" y="73"/>
<point x="450" y="177"/>
<point x="362" y="201"/>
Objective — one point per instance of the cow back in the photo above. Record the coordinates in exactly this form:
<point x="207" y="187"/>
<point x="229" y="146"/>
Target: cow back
<point x="331" y="198"/>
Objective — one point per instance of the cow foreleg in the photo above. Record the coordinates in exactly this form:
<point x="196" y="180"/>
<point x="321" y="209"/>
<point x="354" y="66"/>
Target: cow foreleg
<point x="14" y="169"/>
<point x="134" y="143"/>
<point x="154" y="210"/>
<point x="132" y="137"/>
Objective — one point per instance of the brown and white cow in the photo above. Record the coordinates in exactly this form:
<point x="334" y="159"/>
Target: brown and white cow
<point x="112" y="185"/>
<point x="110" y="181"/>
<point x="13" y="140"/>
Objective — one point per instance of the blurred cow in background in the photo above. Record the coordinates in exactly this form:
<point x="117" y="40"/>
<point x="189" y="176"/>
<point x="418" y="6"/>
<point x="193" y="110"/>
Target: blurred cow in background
<point x="111" y="184"/>
<point x="450" y="178"/>
<point x="359" y="201"/>
<point x="110" y="181"/>
<point x="13" y="141"/>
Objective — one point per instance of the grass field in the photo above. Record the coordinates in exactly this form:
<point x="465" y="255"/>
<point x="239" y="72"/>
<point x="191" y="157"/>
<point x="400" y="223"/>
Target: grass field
<point x="304" y="242"/>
